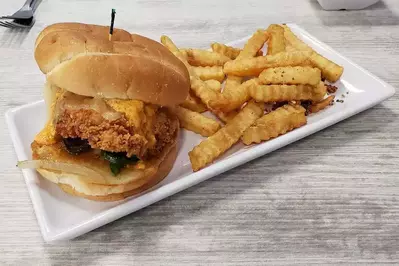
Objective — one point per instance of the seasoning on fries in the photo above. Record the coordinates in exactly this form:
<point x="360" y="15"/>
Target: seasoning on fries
<point x="275" y="123"/>
<point x="291" y="75"/>
<point x="257" y="97"/>
<point x="254" y="66"/>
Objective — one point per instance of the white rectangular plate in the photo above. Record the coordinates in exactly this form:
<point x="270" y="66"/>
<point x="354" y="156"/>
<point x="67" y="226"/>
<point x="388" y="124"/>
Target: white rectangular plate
<point x="64" y="217"/>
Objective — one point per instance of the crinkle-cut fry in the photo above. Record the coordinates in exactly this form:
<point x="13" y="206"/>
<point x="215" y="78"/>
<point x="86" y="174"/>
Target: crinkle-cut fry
<point x="193" y="103"/>
<point x="330" y="70"/>
<point x="206" y="94"/>
<point x="198" y="57"/>
<point x="280" y="93"/>
<point x="235" y="97"/>
<point x="254" y="66"/>
<point x="214" y="146"/>
<point x="197" y="122"/>
<point x="275" y="123"/>
<point x="291" y="75"/>
<point x="254" y="44"/>
<point x="209" y="72"/>
<point x="276" y="42"/>
<point x="316" y="107"/>
<point x="225" y="117"/>
<point x="236" y="94"/>
<point x="229" y="51"/>
<point x="214" y="84"/>
<point x="168" y="43"/>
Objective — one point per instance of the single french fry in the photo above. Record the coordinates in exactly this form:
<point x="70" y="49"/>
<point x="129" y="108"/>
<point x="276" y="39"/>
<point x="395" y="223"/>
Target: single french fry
<point x="193" y="103"/>
<point x="276" y="42"/>
<point x="198" y="57"/>
<point x="214" y="146"/>
<point x="291" y="75"/>
<point x="316" y="107"/>
<point x="214" y="84"/>
<point x="168" y="43"/>
<point x="196" y="122"/>
<point x="275" y="123"/>
<point x="254" y="66"/>
<point x="280" y="93"/>
<point x="330" y="71"/>
<point x="229" y="51"/>
<point x="254" y="44"/>
<point x="209" y="72"/>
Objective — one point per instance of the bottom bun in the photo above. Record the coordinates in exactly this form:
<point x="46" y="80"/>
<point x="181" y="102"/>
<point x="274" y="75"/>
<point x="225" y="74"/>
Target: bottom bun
<point x="163" y="171"/>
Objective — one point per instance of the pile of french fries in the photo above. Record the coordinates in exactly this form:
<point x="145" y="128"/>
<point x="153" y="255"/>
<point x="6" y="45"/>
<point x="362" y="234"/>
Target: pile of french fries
<point x="256" y="97"/>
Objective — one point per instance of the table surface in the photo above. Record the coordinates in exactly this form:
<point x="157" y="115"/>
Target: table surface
<point x="330" y="198"/>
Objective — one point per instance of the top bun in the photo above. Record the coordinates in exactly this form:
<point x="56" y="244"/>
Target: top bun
<point x="80" y="58"/>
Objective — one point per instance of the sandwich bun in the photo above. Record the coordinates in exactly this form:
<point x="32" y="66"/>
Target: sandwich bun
<point x="95" y="30"/>
<point x="81" y="62"/>
<point x="115" y="193"/>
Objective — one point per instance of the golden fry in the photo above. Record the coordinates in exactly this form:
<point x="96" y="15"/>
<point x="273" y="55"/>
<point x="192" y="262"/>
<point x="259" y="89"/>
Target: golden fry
<point x="235" y="96"/>
<point x="330" y="71"/>
<point x="280" y="93"/>
<point x="233" y="93"/>
<point x="199" y="87"/>
<point x="214" y="146"/>
<point x="254" y="66"/>
<point x="230" y="52"/>
<point x="276" y="42"/>
<point x="275" y="123"/>
<point x="206" y="94"/>
<point x="214" y="84"/>
<point x="291" y="75"/>
<point x="209" y="72"/>
<point x="225" y="117"/>
<point x="193" y="103"/>
<point x="196" y="122"/>
<point x="314" y="108"/>
<point x="254" y="44"/>
<point x="198" y="57"/>
<point x="168" y="43"/>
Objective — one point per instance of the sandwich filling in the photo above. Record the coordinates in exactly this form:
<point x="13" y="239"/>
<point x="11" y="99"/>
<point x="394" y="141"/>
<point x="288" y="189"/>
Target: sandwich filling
<point x="123" y="131"/>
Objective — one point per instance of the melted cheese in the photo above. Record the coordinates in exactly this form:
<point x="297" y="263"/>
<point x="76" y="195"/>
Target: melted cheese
<point x="139" y="115"/>
<point x="47" y="135"/>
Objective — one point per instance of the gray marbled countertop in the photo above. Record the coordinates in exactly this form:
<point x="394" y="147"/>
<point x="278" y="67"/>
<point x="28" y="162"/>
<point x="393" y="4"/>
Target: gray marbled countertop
<point x="330" y="198"/>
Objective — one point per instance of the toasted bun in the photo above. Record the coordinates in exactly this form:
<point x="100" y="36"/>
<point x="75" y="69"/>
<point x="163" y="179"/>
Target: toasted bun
<point x="95" y="30"/>
<point x="85" y="64"/>
<point x="113" y="193"/>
